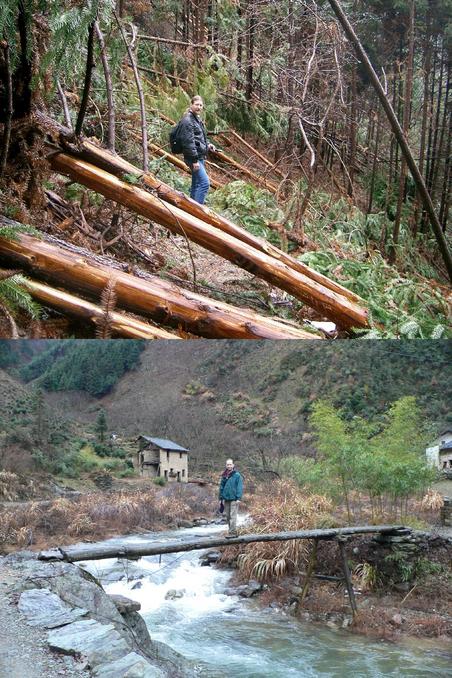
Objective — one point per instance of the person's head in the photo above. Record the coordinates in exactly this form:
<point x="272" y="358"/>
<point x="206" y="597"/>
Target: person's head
<point x="196" y="105"/>
<point x="229" y="464"/>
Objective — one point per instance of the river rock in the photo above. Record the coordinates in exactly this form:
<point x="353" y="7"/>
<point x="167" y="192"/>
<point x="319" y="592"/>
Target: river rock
<point x="99" y="643"/>
<point x="123" y="604"/>
<point x="210" y="557"/>
<point x="251" y="589"/>
<point x="131" y="665"/>
<point x="397" y="619"/>
<point x="44" y="608"/>
<point x="172" y="594"/>
<point x="200" y="521"/>
<point x="108" y="636"/>
<point x="137" y="585"/>
<point x="184" y="523"/>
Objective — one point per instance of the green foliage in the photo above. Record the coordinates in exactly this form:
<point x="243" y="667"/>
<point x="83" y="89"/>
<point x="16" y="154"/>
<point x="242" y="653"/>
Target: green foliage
<point x="405" y="307"/>
<point x="249" y="206"/>
<point x="384" y="459"/>
<point x="15" y="297"/>
<point x="160" y="481"/>
<point x="13" y="294"/>
<point x="94" y="367"/>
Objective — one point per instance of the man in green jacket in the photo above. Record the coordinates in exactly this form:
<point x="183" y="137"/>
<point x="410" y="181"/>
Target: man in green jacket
<point x="230" y="494"/>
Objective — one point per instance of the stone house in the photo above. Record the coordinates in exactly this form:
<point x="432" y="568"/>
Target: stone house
<point x="161" y="458"/>
<point x="439" y="454"/>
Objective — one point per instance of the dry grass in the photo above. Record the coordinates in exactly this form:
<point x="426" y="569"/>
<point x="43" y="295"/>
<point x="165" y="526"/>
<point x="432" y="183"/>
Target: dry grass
<point x="279" y="507"/>
<point x="101" y="515"/>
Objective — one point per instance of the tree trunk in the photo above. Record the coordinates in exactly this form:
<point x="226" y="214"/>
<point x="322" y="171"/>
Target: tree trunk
<point x="419" y="181"/>
<point x="335" y="307"/>
<point x="120" y="324"/>
<point x="164" y="302"/>
<point x="406" y="125"/>
<point x="100" y="551"/>
<point x="118" y="166"/>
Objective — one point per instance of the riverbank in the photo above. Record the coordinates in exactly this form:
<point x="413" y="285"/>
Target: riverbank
<point x="402" y="589"/>
<point x="61" y="622"/>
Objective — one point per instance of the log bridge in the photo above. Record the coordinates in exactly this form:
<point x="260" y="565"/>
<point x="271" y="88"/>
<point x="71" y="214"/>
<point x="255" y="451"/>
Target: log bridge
<point x="83" y="552"/>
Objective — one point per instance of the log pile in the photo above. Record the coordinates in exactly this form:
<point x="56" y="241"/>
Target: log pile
<point x="77" y="270"/>
<point x="346" y="313"/>
<point x="100" y="170"/>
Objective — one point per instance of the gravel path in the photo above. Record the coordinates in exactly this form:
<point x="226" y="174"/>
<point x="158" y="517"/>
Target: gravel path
<point x="23" y="648"/>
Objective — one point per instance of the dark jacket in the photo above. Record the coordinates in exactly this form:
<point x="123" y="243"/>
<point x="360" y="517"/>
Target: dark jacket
<point x="193" y="138"/>
<point x="231" y="488"/>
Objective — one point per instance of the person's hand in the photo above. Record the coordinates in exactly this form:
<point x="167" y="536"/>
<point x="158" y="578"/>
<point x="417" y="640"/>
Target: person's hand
<point x="195" y="166"/>
<point x="212" y="147"/>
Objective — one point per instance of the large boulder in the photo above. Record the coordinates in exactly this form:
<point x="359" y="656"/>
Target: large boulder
<point x="112" y="636"/>
<point x="44" y="608"/>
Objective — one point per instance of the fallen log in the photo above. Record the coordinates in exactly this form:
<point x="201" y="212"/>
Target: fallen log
<point x="118" y="323"/>
<point x="116" y="165"/>
<point x="334" y="306"/>
<point x="99" y="551"/>
<point x="162" y="301"/>
<point x="251" y="148"/>
<point x="177" y="162"/>
<point x="256" y="179"/>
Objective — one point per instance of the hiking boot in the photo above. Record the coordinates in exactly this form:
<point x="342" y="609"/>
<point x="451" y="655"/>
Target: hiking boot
<point x="231" y="535"/>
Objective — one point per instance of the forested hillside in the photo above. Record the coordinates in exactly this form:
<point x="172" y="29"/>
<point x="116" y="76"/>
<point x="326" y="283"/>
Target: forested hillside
<point x="246" y="398"/>
<point x="322" y="206"/>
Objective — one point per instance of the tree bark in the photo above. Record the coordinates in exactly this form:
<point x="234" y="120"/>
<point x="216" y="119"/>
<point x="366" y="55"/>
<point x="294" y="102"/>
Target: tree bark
<point x="152" y="297"/>
<point x="87" y="83"/>
<point x="144" y="131"/>
<point x="406" y="125"/>
<point x="120" y="324"/>
<point x="335" y="307"/>
<point x="109" y="89"/>
<point x="9" y="111"/>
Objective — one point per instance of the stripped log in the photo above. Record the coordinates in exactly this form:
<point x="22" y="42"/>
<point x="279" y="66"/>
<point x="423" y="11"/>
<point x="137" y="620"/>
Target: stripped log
<point x="334" y="306"/>
<point x="251" y="148"/>
<point x="255" y="178"/>
<point x="162" y="301"/>
<point x="154" y="547"/>
<point x="177" y="162"/>
<point x="118" y="323"/>
<point x="116" y="165"/>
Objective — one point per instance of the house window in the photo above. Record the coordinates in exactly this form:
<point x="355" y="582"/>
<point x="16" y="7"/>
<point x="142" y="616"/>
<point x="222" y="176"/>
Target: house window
<point x="180" y="455"/>
<point x="166" y="474"/>
<point x="183" y="473"/>
<point x="167" y="456"/>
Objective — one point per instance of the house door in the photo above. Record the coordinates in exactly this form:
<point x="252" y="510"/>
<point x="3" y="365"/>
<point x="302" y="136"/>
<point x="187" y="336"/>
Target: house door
<point x="178" y="476"/>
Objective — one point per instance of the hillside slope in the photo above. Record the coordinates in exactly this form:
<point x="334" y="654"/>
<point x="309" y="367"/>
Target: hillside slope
<point x="240" y="398"/>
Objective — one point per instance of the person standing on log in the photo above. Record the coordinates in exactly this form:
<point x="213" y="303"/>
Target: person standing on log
<point x="230" y="494"/>
<point x="195" y="146"/>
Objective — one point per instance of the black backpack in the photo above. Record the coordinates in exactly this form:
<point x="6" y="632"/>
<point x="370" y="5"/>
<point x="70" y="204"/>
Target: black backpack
<point x="174" y="138"/>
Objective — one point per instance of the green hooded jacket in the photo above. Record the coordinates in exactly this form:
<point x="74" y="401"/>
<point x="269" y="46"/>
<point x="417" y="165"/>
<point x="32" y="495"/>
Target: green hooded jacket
<point x="231" y="488"/>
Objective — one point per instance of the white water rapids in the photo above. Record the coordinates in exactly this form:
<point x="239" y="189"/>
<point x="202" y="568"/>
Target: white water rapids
<point x="231" y="637"/>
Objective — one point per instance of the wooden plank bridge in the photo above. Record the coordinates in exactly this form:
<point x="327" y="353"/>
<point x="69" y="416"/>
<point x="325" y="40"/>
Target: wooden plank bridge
<point x="82" y="552"/>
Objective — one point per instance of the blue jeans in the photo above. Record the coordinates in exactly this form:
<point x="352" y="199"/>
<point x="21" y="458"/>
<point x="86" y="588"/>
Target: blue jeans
<point x="199" y="182"/>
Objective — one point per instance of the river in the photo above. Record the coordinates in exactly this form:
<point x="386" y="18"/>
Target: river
<point x="232" y="637"/>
